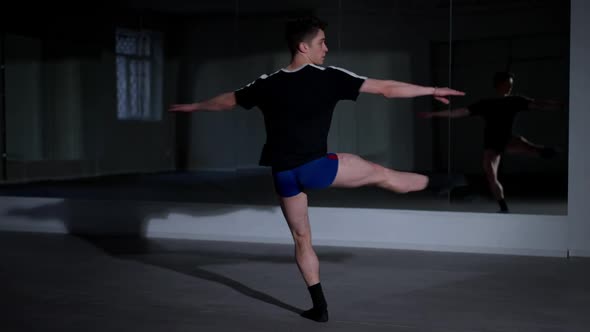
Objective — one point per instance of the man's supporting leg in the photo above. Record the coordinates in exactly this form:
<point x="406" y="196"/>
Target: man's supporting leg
<point x="491" y="161"/>
<point x="354" y="171"/>
<point x="295" y="211"/>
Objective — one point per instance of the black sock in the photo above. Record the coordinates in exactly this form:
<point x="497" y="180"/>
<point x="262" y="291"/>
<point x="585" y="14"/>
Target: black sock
<point x="319" y="312"/>
<point x="503" y="205"/>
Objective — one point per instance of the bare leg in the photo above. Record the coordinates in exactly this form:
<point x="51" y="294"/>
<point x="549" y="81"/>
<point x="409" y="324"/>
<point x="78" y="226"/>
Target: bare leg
<point x="295" y="212"/>
<point x="354" y="171"/>
<point x="520" y="145"/>
<point x="491" y="161"/>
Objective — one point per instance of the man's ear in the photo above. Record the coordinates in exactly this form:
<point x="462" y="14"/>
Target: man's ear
<point x="303" y="47"/>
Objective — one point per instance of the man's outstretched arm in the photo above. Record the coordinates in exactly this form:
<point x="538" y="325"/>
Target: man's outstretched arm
<point x="546" y="105"/>
<point x="223" y="102"/>
<point x="455" y="113"/>
<point x="395" y="89"/>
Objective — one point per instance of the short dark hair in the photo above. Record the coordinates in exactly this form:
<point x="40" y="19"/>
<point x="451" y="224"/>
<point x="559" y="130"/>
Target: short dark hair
<point x="501" y="77"/>
<point x="302" y="28"/>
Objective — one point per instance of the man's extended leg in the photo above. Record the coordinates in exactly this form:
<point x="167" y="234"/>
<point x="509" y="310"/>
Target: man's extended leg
<point x="522" y="146"/>
<point x="354" y="171"/>
<point x="491" y="161"/>
<point x="295" y="211"/>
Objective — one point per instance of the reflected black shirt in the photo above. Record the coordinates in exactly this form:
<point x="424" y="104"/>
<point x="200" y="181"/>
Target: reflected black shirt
<point x="297" y="107"/>
<point x="498" y="114"/>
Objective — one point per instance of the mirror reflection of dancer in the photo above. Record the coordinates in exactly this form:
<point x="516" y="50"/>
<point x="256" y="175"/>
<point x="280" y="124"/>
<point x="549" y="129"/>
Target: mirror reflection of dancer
<point x="498" y="114"/>
<point x="297" y="103"/>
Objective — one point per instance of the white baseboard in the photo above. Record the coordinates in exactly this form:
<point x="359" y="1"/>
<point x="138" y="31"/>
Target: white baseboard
<point x="537" y="235"/>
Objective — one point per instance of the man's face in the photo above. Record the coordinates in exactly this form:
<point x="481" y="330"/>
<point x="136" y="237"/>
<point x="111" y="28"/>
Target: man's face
<point x="316" y="49"/>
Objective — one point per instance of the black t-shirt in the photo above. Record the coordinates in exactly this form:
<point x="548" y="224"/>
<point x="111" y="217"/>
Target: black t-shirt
<point x="297" y="107"/>
<point x="498" y="114"/>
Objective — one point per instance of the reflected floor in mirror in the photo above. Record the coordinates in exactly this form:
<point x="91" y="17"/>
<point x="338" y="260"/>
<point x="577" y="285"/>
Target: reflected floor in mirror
<point x="524" y="194"/>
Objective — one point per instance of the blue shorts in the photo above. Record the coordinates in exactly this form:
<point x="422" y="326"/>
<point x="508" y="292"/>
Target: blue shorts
<point x="316" y="174"/>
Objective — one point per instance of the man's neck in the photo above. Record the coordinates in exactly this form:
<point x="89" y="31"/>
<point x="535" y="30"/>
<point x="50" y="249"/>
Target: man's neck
<point x="298" y="62"/>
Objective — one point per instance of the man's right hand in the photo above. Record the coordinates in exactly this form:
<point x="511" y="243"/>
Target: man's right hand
<point x="440" y="94"/>
<point x="183" y="108"/>
<point x="425" y="115"/>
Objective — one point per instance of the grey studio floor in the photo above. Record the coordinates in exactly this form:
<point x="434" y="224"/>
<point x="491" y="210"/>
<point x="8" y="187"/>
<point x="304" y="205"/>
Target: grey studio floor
<point x="58" y="282"/>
